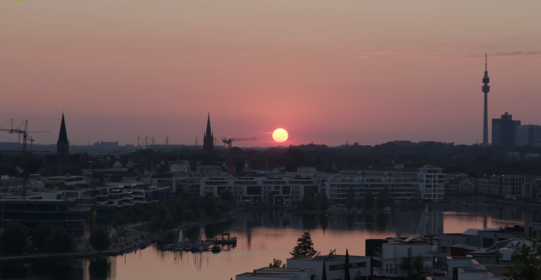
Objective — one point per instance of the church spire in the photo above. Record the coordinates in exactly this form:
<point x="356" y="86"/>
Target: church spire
<point x="208" y="138"/>
<point x="63" y="135"/>
<point x="63" y="145"/>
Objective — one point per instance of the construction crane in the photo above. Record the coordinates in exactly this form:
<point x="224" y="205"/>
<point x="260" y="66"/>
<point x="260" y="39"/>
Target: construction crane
<point x="229" y="143"/>
<point x="21" y="130"/>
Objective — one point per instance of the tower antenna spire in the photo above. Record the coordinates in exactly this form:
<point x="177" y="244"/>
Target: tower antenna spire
<point x="486" y="62"/>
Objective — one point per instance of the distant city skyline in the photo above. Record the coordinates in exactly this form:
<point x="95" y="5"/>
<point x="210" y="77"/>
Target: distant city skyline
<point x="327" y="72"/>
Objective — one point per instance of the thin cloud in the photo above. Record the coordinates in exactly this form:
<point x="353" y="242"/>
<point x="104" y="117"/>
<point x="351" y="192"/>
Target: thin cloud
<point x="518" y="53"/>
<point x="450" y="43"/>
<point x="246" y="54"/>
<point x="398" y="52"/>
<point x="337" y="48"/>
<point x="363" y="57"/>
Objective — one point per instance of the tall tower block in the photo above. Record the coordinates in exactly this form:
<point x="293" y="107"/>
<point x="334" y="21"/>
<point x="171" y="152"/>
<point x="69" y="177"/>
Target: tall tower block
<point x="486" y="89"/>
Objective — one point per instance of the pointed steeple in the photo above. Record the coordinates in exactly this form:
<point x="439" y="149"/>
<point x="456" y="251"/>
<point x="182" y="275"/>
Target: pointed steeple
<point x="208" y="138"/>
<point x="63" y="135"/>
<point x="62" y="146"/>
<point x="208" y="133"/>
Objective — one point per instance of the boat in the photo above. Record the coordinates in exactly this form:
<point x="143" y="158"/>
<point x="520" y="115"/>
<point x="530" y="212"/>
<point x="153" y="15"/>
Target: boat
<point x="180" y="237"/>
<point x="216" y="249"/>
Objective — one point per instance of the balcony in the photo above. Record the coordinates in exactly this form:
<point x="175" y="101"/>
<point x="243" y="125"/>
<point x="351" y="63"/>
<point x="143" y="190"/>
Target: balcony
<point x="378" y="255"/>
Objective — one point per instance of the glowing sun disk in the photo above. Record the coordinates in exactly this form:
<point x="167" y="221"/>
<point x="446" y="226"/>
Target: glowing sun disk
<point x="280" y="135"/>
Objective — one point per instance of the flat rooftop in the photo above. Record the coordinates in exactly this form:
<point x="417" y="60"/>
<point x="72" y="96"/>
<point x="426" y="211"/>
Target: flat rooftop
<point x="268" y="275"/>
<point x="327" y="258"/>
<point x="283" y="269"/>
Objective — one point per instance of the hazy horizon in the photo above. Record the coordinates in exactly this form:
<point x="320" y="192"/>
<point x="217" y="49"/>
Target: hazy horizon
<point x="326" y="71"/>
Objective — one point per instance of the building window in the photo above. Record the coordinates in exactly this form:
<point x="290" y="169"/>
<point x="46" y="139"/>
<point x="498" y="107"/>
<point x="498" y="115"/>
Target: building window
<point x="336" y="267"/>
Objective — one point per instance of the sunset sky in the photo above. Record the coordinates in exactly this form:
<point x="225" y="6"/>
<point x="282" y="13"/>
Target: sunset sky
<point x="328" y="72"/>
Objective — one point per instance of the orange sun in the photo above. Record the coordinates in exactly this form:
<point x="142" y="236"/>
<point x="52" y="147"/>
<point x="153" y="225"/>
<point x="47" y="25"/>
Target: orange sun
<point x="280" y="135"/>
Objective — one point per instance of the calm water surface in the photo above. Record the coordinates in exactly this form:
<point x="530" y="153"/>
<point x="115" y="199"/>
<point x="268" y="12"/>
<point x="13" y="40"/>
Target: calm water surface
<point x="264" y="236"/>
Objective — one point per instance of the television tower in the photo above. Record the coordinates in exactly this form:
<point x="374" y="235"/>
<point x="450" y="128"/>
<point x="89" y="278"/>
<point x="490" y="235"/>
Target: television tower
<point x="486" y="89"/>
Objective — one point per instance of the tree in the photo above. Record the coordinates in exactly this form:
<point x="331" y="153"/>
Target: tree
<point x="155" y="224"/>
<point x="305" y="246"/>
<point x="227" y="195"/>
<point x="351" y="199"/>
<point x="169" y="222"/>
<point x="323" y="202"/>
<point x="13" y="238"/>
<point x="217" y="214"/>
<point x="308" y="201"/>
<point x="162" y="212"/>
<point x="189" y="215"/>
<point x="277" y="263"/>
<point x="210" y="206"/>
<point x="195" y="206"/>
<point x="418" y="264"/>
<point x="383" y="197"/>
<point x="271" y="198"/>
<point x="526" y="263"/>
<point x="99" y="269"/>
<point x="369" y="201"/>
<point x="346" y="267"/>
<point x="324" y="274"/>
<point x="59" y="241"/>
<point x="406" y="265"/>
<point x="40" y="235"/>
<point x="99" y="239"/>
<point x="358" y="276"/>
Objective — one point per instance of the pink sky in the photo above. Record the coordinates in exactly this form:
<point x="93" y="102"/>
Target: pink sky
<point x="326" y="71"/>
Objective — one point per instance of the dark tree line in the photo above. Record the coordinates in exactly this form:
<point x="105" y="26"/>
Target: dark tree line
<point x="46" y="238"/>
<point x="165" y="216"/>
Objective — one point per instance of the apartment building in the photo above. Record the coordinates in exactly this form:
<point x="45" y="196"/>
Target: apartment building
<point x="511" y="185"/>
<point x="388" y="256"/>
<point x="401" y="185"/>
<point x="257" y="190"/>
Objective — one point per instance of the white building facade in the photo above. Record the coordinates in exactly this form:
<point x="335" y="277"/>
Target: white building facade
<point x="431" y="179"/>
<point x="257" y="190"/>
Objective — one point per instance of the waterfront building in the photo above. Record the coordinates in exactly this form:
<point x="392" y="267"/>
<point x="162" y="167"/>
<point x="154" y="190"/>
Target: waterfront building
<point x="431" y="180"/>
<point x="504" y="131"/>
<point x="529" y="135"/>
<point x="532" y="189"/>
<point x="388" y="256"/>
<point x="427" y="183"/>
<point x="509" y="185"/>
<point x="402" y="186"/>
<point x="257" y="190"/>
<point x="334" y="265"/>
<point x="460" y="185"/>
<point x="32" y="212"/>
<point x="272" y="273"/>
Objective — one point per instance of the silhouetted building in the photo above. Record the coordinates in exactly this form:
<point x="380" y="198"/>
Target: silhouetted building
<point x="62" y="162"/>
<point x="486" y="89"/>
<point x="529" y="135"/>
<point x="208" y="139"/>
<point x="32" y="212"/>
<point x="62" y="145"/>
<point x="504" y="131"/>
